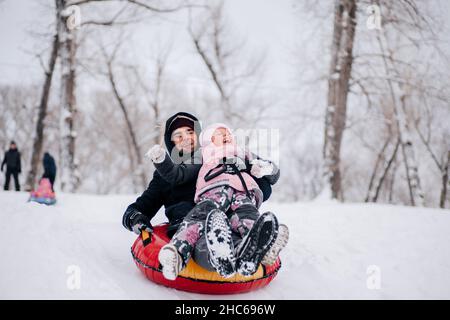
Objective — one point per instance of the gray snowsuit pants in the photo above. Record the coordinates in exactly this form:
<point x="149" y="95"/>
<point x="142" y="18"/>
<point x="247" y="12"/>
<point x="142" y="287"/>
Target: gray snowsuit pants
<point x="190" y="239"/>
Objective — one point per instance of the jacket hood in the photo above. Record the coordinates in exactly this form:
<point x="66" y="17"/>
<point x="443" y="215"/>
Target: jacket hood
<point x="47" y="156"/>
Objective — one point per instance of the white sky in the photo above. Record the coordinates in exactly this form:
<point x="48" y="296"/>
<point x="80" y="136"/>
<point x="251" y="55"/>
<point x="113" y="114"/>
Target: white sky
<point x="267" y="25"/>
<point x="272" y="26"/>
<point x="15" y="17"/>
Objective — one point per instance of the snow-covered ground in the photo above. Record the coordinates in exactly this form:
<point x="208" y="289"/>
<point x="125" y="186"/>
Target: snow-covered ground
<point x="336" y="251"/>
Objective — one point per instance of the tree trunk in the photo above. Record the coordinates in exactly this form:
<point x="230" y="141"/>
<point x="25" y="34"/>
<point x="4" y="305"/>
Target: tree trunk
<point x="401" y="121"/>
<point x="412" y="170"/>
<point x="338" y="88"/>
<point x="385" y="172"/>
<point x="445" y="181"/>
<point x="392" y="181"/>
<point x="67" y="51"/>
<point x="156" y="103"/>
<point x="140" y="166"/>
<point x="225" y="100"/>
<point x="39" y="135"/>
<point x="380" y="158"/>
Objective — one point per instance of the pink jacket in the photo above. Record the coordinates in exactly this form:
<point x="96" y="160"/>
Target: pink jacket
<point x="211" y="157"/>
<point x="44" y="190"/>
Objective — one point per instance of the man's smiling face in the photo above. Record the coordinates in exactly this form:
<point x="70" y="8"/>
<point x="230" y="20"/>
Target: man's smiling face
<point x="184" y="139"/>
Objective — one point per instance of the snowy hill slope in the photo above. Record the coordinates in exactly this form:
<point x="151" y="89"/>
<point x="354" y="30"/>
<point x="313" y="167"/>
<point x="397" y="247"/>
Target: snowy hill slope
<point x="328" y="257"/>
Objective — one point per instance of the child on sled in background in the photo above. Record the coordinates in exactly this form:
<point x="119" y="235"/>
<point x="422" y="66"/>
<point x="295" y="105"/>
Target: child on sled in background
<point x="223" y="187"/>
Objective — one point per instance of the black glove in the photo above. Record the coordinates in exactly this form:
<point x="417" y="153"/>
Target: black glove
<point x="141" y="222"/>
<point x="135" y="221"/>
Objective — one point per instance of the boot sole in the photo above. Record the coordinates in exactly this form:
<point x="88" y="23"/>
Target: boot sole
<point x="170" y="260"/>
<point x="281" y="242"/>
<point x="258" y="242"/>
<point x="220" y="243"/>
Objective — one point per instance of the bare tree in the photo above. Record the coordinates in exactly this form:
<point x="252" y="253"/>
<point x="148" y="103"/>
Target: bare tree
<point x="391" y="67"/>
<point x="152" y="89"/>
<point x="375" y="185"/>
<point x="38" y="139"/>
<point x="399" y="91"/>
<point x="68" y="46"/>
<point x="378" y="162"/>
<point x="67" y="54"/>
<point x="138" y="155"/>
<point x="105" y="167"/>
<point x="222" y="55"/>
<point x="66" y="33"/>
<point x="338" y="88"/>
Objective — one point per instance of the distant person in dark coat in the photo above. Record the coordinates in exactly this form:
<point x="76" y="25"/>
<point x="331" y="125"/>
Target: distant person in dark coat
<point x="49" y="168"/>
<point x="13" y="167"/>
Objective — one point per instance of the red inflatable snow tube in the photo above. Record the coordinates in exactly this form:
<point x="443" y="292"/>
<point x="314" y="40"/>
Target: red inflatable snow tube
<point x="194" y="278"/>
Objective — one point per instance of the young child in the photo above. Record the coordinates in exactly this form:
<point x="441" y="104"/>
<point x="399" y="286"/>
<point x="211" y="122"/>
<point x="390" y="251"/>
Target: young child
<point x="222" y="187"/>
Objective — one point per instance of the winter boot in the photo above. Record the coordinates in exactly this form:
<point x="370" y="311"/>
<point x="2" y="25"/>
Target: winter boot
<point x="171" y="261"/>
<point x="256" y="243"/>
<point x="219" y="243"/>
<point x="281" y="242"/>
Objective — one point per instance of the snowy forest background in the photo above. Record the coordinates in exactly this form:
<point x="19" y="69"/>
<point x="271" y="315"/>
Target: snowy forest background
<point x="361" y="98"/>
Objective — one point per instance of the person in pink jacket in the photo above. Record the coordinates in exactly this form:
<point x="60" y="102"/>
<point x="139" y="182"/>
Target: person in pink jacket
<point x="218" y="143"/>
<point x="227" y="189"/>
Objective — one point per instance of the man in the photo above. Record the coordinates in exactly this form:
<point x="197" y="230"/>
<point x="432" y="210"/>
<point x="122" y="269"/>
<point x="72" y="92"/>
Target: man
<point x="181" y="139"/>
<point x="49" y="168"/>
<point x="13" y="167"/>
<point x="177" y="200"/>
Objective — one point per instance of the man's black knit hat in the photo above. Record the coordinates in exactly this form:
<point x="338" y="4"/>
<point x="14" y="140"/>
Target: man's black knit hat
<point x="178" y="120"/>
